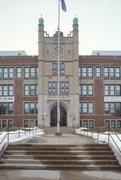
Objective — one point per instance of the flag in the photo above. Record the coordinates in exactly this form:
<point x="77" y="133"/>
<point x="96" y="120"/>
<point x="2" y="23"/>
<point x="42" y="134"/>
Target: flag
<point x="63" y="5"/>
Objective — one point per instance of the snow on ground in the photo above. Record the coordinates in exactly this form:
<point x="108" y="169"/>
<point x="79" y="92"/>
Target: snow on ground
<point x="102" y="137"/>
<point x="18" y="135"/>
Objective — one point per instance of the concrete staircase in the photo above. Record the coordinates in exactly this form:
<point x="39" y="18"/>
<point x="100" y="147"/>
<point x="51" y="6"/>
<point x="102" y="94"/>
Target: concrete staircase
<point x="59" y="157"/>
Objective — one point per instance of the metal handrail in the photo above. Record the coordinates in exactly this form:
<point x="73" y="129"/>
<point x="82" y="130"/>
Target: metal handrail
<point x="110" y="136"/>
<point x="8" y="134"/>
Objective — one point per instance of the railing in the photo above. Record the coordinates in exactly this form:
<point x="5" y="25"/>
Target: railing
<point x="114" y="141"/>
<point x="109" y="136"/>
<point x="9" y="135"/>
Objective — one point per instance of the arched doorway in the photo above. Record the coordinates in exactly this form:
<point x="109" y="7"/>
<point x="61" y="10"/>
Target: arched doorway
<point x="63" y="116"/>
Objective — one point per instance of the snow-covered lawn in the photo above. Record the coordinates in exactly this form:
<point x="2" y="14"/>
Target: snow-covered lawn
<point x="102" y="137"/>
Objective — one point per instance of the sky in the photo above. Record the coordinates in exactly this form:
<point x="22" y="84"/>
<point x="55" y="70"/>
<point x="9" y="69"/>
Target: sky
<point x="99" y="23"/>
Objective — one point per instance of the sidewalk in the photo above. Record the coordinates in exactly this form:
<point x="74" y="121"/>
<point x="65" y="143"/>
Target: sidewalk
<point x="58" y="175"/>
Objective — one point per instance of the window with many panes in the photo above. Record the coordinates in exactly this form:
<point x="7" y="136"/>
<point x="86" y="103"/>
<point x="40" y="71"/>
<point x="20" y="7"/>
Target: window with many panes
<point x="86" y="90"/>
<point x="55" y="69"/>
<point x="31" y="90"/>
<point x="6" y="72"/>
<point x="112" y="90"/>
<point x="6" y="90"/>
<point x="6" y="123"/>
<point x="112" y="72"/>
<point x="53" y="87"/>
<point x="18" y="72"/>
<point x="113" y="108"/>
<point x="86" y="72"/>
<point x="98" y="72"/>
<point x="30" y="123"/>
<point x="30" y="72"/>
<point x="88" y="123"/>
<point x="6" y="108"/>
<point x="30" y="108"/>
<point x="86" y="108"/>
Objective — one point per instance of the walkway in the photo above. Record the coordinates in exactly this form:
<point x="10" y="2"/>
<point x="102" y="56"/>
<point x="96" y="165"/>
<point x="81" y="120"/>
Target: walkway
<point x="58" y="175"/>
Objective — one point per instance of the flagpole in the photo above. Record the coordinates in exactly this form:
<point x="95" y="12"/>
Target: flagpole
<point x="58" y="94"/>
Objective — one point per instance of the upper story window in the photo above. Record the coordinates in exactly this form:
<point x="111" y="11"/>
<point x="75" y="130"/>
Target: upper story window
<point x="112" y="90"/>
<point x="86" y="72"/>
<point x="98" y="72"/>
<point x="30" y="90"/>
<point x="6" y="72"/>
<point x="53" y="87"/>
<point x="112" y="108"/>
<point x="6" y="90"/>
<point x="18" y="72"/>
<point x="30" y="108"/>
<point x="55" y="69"/>
<point x="6" y="108"/>
<point x="30" y="72"/>
<point x="86" y="90"/>
<point x="86" y="108"/>
<point x="112" y="72"/>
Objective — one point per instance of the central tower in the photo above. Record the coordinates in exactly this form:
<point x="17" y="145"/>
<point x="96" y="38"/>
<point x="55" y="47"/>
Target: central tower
<point x="47" y="77"/>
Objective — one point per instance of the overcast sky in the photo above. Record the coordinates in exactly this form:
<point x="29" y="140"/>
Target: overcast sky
<point x="99" y="23"/>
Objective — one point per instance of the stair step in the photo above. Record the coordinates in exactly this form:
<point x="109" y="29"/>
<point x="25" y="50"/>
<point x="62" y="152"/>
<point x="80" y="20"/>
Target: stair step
<point x="49" y="161"/>
<point x="60" y="148"/>
<point x="58" y="167"/>
<point x="67" y="156"/>
<point x="57" y="152"/>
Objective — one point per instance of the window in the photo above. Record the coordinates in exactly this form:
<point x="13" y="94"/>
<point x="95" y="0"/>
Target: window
<point x="18" y="72"/>
<point x="107" y="123"/>
<point x="26" y="108"/>
<point x="55" y="69"/>
<point x="26" y="72"/>
<point x="112" y="90"/>
<point x="106" y="72"/>
<point x="111" y="72"/>
<point x="85" y="123"/>
<point x="117" y="72"/>
<point x="32" y="72"/>
<point x="29" y="123"/>
<point x="1" y="90"/>
<point x="30" y="90"/>
<point x="7" y="90"/>
<point x="53" y="87"/>
<point x="26" y="90"/>
<point x="1" y="73"/>
<point x="113" y="108"/>
<point x="30" y="108"/>
<point x="11" y="73"/>
<point x="91" y="123"/>
<point x="98" y="72"/>
<point x="90" y="72"/>
<point x="84" y="72"/>
<point x="107" y="108"/>
<point x="106" y="90"/>
<point x="113" y="123"/>
<point x="6" y="108"/>
<point x="79" y="72"/>
<point x="5" y="73"/>
<point x="118" y="123"/>
<point x="86" y="108"/>
<point x="86" y="90"/>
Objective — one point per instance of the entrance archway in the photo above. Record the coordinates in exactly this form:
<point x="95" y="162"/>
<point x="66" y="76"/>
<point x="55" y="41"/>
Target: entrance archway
<point x="63" y="116"/>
